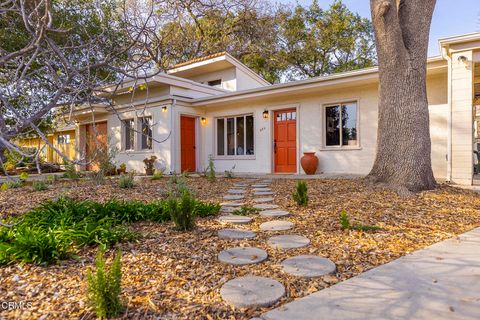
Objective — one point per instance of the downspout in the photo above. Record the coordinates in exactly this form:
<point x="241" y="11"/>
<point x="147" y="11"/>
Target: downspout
<point x="450" y="116"/>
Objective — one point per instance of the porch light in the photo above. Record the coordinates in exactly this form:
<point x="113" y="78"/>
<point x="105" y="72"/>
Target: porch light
<point x="462" y="59"/>
<point x="203" y="120"/>
<point x="164" y="109"/>
<point x="265" y="114"/>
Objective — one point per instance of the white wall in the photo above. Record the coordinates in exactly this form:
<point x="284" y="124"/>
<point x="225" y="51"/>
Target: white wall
<point x="227" y="76"/>
<point x="161" y="145"/>
<point x="310" y="119"/>
<point x="246" y="81"/>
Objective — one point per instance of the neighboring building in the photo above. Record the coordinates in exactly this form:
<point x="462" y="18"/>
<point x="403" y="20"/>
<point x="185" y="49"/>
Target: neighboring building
<point x="62" y="139"/>
<point x="216" y="106"/>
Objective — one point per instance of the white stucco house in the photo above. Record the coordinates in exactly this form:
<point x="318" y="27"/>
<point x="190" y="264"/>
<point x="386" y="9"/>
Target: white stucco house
<point x="216" y="106"/>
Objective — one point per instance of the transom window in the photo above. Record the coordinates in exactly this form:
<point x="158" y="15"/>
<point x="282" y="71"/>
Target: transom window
<point x="129" y="134"/>
<point x="286" y="116"/>
<point x="235" y="136"/>
<point x="146" y="133"/>
<point x="63" y="139"/>
<point x="341" y="125"/>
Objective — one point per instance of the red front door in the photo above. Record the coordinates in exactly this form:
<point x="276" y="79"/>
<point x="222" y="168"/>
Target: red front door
<point x="285" y="141"/>
<point x="95" y="143"/>
<point x="187" y="149"/>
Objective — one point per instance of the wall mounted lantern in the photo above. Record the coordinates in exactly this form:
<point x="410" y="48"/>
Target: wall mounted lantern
<point x="203" y="120"/>
<point x="265" y="114"/>
<point x="164" y="109"/>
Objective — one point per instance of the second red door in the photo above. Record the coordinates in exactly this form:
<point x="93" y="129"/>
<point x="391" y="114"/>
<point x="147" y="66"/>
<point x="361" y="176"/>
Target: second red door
<point x="187" y="143"/>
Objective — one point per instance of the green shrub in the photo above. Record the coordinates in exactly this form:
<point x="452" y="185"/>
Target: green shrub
<point x="301" y="193"/>
<point x="71" y="172"/>
<point x="23" y="176"/>
<point x="229" y="173"/>
<point x="14" y="184"/>
<point x="97" y="177"/>
<point x="4" y="186"/>
<point x="51" y="178"/>
<point x="245" y="211"/>
<point x="210" y="171"/>
<point x="158" y="174"/>
<point x="105" y="286"/>
<point x="206" y="209"/>
<point x="39" y="185"/>
<point x="182" y="211"/>
<point x="126" y="181"/>
<point x="347" y="225"/>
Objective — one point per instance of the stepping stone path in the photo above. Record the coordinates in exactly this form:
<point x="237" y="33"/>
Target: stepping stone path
<point x="233" y="219"/>
<point x="236" y="234"/>
<point x="232" y="204"/>
<point x="252" y="291"/>
<point x="233" y="197"/>
<point x="276" y="225"/>
<point x="236" y="191"/>
<point x="308" y="266"/>
<point x="263" y="193"/>
<point x="242" y="255"/>
<point x="265" y="206"/>
<point x="274" y="213"/>
<point x="288" y="241"/>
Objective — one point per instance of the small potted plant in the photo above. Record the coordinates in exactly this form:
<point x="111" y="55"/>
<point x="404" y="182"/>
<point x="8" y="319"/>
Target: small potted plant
<point x="149" y="162"/>
<point x="122" y="169"/>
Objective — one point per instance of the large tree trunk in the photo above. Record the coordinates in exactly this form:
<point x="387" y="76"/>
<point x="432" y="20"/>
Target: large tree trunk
<point x="403" y="159"/>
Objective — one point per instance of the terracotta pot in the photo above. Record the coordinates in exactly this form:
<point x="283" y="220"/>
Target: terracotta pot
<point x="309" y="162"/>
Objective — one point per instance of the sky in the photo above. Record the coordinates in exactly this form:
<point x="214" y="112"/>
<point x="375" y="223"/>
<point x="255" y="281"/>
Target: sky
<point x="450" y="18"/>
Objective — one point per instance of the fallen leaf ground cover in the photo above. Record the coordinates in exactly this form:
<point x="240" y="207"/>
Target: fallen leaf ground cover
<point x="176" y="275"/>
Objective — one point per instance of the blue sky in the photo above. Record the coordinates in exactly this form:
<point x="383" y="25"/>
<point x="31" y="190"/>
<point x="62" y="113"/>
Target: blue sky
<point x="451" y="17"/>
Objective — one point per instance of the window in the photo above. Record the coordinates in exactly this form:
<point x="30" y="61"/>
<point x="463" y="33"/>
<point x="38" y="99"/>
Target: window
<point x="215" y="83"/>
<point x="235" y="136"/>
<point x="63" y="139"/>
<point x="129" y="134"/>
<point x="341" y="125"/>
<point x="146" y="133"/>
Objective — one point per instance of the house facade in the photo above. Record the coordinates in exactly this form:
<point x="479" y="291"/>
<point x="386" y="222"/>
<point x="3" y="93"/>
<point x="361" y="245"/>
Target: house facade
<point x="217" y="107"/>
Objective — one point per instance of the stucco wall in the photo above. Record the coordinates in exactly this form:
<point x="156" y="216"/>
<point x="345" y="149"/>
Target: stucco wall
<point x="310" y="119"/>
<point x="226" y="75"/>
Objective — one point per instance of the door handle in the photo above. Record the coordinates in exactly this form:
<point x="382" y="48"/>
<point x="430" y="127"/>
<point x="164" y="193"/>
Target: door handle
<point x="275" y="146"/>
<point x="194" y="148"/>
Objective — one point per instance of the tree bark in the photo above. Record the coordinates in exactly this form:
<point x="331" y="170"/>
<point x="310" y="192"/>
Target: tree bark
<point x="403" y="158"/>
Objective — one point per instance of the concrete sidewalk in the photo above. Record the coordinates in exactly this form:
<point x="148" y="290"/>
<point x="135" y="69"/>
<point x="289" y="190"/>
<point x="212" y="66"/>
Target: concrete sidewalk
<point x="439" y="282"/>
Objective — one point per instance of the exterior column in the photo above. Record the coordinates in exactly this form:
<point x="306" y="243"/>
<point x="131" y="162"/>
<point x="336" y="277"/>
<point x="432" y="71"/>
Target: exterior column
<point x="462" y="117"/>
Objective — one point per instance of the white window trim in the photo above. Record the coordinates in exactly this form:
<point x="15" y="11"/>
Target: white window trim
<point x="323" y="127"/>
<point x="225" y="133"/>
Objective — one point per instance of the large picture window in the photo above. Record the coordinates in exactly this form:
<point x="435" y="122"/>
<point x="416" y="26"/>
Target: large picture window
<point x="235" y="136"/>
<point x="129" y="134"/>
<point x="146" y="133"/>
<point x="341" y="125"/>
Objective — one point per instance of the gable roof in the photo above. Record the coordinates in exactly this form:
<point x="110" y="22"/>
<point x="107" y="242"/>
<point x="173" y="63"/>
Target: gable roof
<point x="204" y="58"/>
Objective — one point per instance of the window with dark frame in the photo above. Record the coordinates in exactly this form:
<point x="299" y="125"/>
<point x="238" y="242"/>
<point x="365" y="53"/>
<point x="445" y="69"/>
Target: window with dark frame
<point x="341" y="125"/>
<point x="215" y="83"/>
<point x="129" y="134"/>
<point x="235" y="136"/>
<point x="63" y="139"/>
<point x="146" y="133"/>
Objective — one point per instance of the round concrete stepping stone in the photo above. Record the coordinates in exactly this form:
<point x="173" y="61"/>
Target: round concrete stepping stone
<point x="233" y="197"/>
<point x="276" y="225"/>
<point x="265" y="206"/>
<point x="262" y="200"/>
<point x="308" y="266"/>
<point x="236" y="234"/>
<point x="289" y="241"/>
<point x="262" y="190"/>
<point x="240" y="185"/>
<point x="259" y="185"/>
<point x="236" y="191"/>
<point x="227" y="209"/>
<point x="232" y="204"/>
<point x="274" y="213"/>
<point x="240" y="256"/>
<point x="263" y="193"/>
<point x="252" y="291"/>
<point x="233" y="219"/>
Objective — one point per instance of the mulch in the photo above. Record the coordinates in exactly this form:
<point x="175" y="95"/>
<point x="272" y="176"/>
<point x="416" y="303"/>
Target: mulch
<point x="176" y="275"/>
